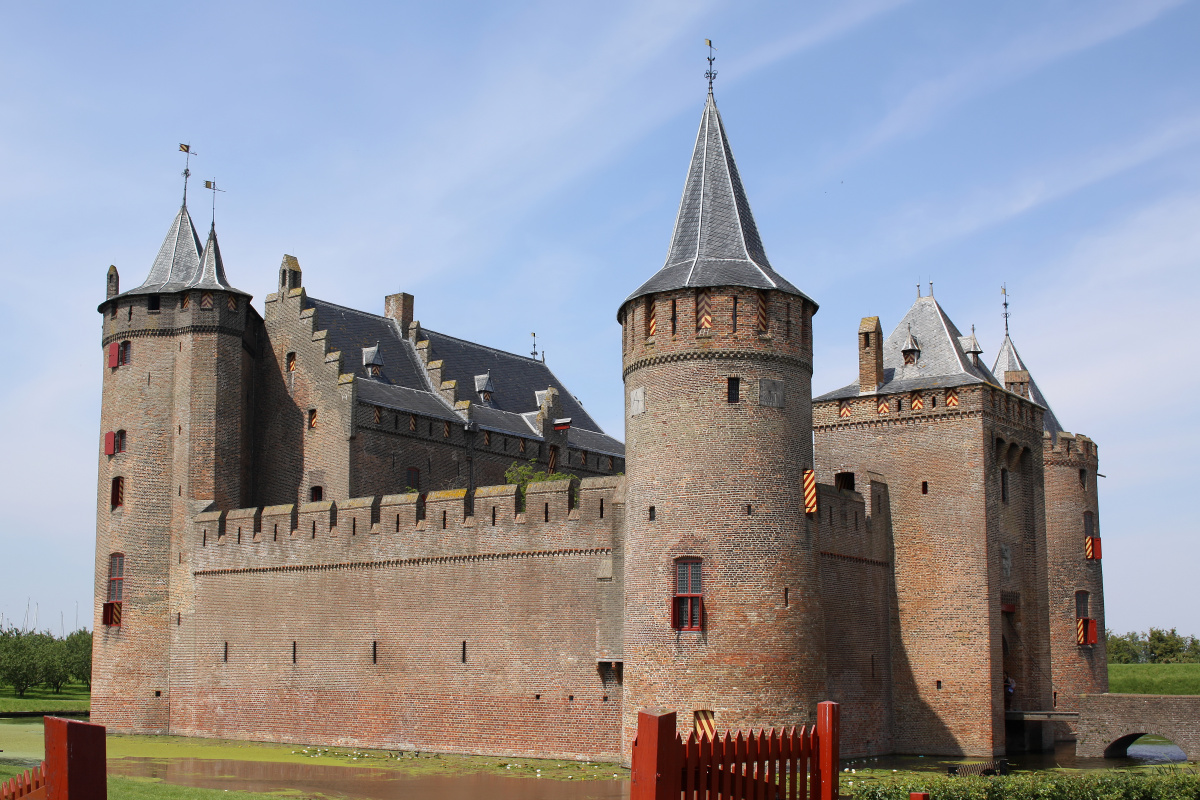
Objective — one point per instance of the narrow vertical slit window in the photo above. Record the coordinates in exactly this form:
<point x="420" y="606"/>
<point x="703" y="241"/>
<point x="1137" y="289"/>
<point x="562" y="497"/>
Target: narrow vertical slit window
<point x="651" y="322"/>
<point x="674" y="316"/>
<point x="293" y="651"/>
<point x="733" y="390"/>
<point x="118" y="492"/>
<point x="375" y="651"/>
<point x="734" y="315"/>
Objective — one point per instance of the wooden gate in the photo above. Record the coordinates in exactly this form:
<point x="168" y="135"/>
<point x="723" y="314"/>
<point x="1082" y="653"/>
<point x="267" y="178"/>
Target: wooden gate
<point x="796" y="764"/>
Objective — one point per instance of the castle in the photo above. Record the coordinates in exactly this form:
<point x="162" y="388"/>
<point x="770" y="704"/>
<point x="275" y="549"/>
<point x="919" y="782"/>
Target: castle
<point x="304" y="532"/>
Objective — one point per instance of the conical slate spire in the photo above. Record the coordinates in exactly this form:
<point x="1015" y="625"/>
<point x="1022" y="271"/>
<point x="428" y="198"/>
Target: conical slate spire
<point x="178" y="260"/>
<point x="212" y="270"/>
<point x="1009" y="360"/>
<point x="715" y="242"/>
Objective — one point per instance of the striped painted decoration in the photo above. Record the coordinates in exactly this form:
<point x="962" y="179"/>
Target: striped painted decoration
<point x="952" y="398"/>
<point x="651" y="320"/>
<point x="764" y="318"/>
<point x="1091" y="548"/>
<point x="844" y="411"/>
<point x="705" y="724"/>
<point x="703" y="310"/>
<point x="810" y="491"/>
<point x="884" y="406"/>
<point x="917" y="403"/>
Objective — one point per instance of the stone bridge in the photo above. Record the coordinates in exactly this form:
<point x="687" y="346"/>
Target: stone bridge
<point x="1109" y="723"/>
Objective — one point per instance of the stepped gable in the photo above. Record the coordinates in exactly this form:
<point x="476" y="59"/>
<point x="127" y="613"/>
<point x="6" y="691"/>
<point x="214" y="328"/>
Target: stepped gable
<point x="404" y="384"/>
<point x="177" y="264"/>
<point x="211" y="274"/>
<point x="715" y="242"/>
<point x="1009" y="360"/>
<point x="942" y="355"/>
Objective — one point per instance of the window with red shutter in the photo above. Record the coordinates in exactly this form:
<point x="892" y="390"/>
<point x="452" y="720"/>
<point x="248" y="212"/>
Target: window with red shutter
<point x="119" y="442"/>
<point x="118" y="492"/>
<point x="687" y="607"/>
<point x="114" y="354"/>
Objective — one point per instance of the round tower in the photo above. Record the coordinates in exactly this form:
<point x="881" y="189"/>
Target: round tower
<point x="174" y="440"/>
<point x="722" y="610"/>
<point x="1075" y="581"/>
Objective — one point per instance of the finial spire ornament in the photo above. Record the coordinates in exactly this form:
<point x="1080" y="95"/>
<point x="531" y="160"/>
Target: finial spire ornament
<point x="187" y="172"/>
<point x="534" y="352"/>
<point x="712" y="73"/>
<point x="931" y="288"/>
<point x="1004" y="293"/>
<point x="213" y="186"/>
<point x="918" y="290"/>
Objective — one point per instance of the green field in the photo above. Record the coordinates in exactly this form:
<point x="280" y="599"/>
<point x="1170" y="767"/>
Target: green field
<point x="74" y="697"/>
<point x="1154" y="678"/>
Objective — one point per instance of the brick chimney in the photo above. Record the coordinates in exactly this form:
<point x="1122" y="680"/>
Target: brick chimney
<point x="400" y="308"/>
<point x="1017" y="382"/>
<point x="870" y="355"/>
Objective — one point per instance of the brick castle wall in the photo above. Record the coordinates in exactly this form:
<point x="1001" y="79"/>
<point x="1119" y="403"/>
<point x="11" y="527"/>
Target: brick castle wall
<point x="947" y="634"/>
<point x="380" y="617"/>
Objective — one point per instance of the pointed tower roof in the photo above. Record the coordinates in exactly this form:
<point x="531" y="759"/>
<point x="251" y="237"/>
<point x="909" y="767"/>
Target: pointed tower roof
<point x="715" y="242"/>
<point x="942" y="357"/>
<point x="178" y="260"/>
<point x="211" y="274"/>
<point x="1009" y="360"/>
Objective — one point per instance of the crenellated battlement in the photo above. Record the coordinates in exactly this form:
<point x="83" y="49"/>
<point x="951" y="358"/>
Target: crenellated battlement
<point x="1071" y="446"/>
<point x="560" y="516"/>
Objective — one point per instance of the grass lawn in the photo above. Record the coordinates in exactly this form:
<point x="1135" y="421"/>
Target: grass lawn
<point x="1154" y="678"/>
<point x="74" y="697"/>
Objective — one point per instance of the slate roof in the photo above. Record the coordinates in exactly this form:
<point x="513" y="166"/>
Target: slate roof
<point x="182" y="263"/>
<point x="404" y="384"/>
<point x="715" y="242"/>
<point x="1009" y="360"/>
<point x="178" y="261"/>
<point x="212" y="268"/>
<point x="942" y="361"/>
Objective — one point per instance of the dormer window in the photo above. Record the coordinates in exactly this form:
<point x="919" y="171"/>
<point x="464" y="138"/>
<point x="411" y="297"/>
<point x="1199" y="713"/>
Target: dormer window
<point x="484" y="388"/>
<point x="154" y="302"/>
<point x="373" y="361"/>
<point x="911" y="349"/>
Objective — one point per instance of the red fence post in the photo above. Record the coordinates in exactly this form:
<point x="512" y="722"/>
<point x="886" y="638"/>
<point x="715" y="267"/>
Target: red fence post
<point x="75" y="760"/>
<point x="829" y="732"/>
<point x="656" y="765"/>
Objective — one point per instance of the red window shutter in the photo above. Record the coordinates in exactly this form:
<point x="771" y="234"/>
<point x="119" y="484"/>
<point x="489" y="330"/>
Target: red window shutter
<point x="114" y="354"/>
<point x="1091" y="631"/>
<point x="674" y="613"/>
<point x="700" y="619"/>
<point x="110" y="443"/>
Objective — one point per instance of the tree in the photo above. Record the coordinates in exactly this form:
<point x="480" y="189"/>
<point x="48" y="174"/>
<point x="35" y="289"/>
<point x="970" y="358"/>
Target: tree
<point x="1125" y="648"/>
<point x="20" y="665"/>
<point x="79" y="656"/>
<point x="1168" y="647"/>
<point x="51" y="654"/>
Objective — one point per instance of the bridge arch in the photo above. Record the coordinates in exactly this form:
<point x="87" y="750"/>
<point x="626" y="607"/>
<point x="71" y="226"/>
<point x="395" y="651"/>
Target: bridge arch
<point x="1109" y="723"/>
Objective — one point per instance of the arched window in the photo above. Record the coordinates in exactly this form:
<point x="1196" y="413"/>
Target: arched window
<point x="687" y="606"/>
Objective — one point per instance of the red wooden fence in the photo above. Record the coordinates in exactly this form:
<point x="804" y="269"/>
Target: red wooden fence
<point x="796" y="764"/>
<point x="74" y="768"/>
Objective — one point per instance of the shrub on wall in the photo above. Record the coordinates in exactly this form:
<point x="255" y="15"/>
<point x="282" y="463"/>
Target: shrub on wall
<point x="1169" y="784"/>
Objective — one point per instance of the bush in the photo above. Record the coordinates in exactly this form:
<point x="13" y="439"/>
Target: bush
<point x="1167" y="785"/>
<point x="1156" y="646"/>
<point x="524" y="474"/>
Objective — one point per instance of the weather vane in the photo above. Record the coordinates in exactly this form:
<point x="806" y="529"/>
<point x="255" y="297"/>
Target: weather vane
<point x="1004" y="292"/>
<point x="534" y="353"/>
<point x="213" y="186"/>
<point x="187" y="173"/>
<point x="712" y="73"/>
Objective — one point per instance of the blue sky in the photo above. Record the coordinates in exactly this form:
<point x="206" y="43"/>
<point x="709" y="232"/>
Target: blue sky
<point x="518" y="166"/>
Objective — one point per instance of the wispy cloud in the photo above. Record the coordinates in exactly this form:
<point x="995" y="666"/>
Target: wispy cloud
<point x="920" y="227"/>
<point x="923" y="104"/>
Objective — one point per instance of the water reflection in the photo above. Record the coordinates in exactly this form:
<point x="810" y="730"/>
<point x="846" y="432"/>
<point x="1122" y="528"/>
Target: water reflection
<point x="1063" y="756"/>
<point x="359" y="782"/>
